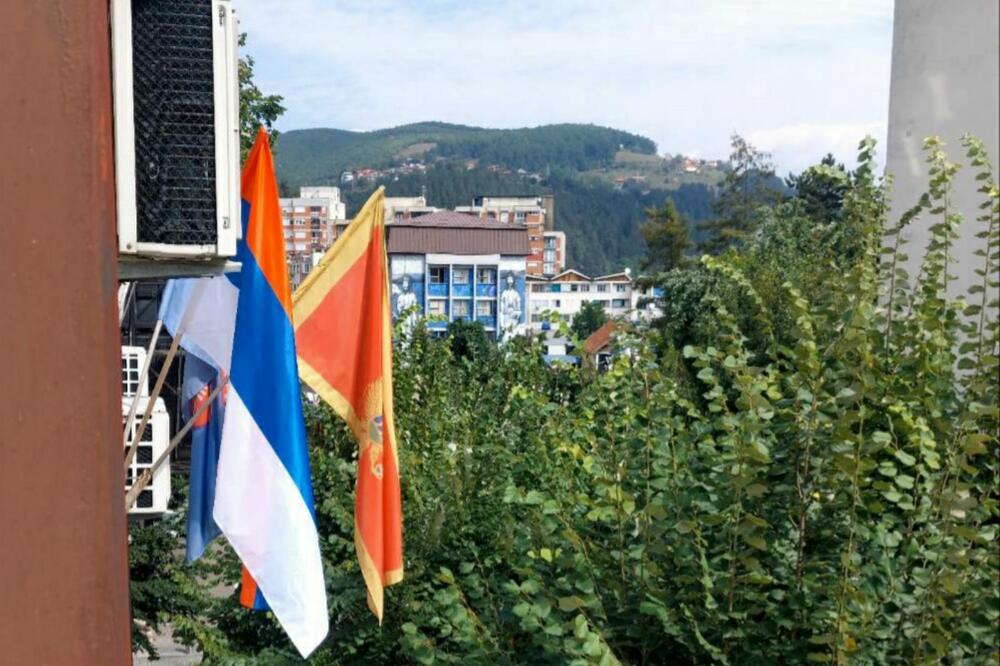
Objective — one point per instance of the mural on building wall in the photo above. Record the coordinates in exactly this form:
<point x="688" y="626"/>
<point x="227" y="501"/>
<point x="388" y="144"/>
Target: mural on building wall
<point x="407" y="297"/>
<point x="511" y="304"/>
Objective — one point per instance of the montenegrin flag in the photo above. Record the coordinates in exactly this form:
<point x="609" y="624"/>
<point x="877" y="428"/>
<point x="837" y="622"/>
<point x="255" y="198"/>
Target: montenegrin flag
<point x="343" y="334"/>
<point x="263" y="491"/>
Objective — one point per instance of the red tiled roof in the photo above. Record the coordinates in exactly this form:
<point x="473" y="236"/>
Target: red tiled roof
<point x="599" y="339"/>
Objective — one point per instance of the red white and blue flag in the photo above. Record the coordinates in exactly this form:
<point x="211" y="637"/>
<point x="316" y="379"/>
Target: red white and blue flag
<point x="263" y="490"/>
<point x="256" y="483"/>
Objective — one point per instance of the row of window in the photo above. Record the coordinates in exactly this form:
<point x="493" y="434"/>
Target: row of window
<point x="519" y="216"/>
<point x="575" y="287"/>
<point x="461" y="307"/>
<point x="439" y="275"/>
<point x="545" y="304"/>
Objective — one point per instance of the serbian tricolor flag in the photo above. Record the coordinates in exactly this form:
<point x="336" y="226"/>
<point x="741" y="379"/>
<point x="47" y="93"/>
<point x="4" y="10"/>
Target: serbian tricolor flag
<point x="343" y="333"/>
<point x="263" y="492"/>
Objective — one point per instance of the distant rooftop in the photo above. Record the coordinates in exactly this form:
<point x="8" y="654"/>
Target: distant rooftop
<point x="448" y="219"/>
<point x="448" y="232"/>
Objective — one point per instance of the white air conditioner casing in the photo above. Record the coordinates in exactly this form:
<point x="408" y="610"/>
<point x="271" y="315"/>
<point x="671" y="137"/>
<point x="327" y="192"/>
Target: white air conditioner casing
<point x="153" y="500"/>
<point x="149" y="92"/>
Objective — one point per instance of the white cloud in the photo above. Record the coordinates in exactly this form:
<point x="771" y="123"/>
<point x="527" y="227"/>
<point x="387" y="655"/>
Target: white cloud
<point x="685" y="74"/>
<point x="795" y="147"/>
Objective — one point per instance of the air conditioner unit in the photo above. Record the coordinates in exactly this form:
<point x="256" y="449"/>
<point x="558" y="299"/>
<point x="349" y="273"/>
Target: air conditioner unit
<point x="153" y="500"/>
<point x="133" y="359"/>
<point x="176" y="120"/>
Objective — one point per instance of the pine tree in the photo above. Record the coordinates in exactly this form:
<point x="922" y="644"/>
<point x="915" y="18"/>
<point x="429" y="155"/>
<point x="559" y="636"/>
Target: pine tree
<point x="666" y="234"/>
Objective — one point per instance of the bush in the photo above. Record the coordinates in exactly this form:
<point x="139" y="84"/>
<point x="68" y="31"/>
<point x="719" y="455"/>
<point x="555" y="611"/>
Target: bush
<point x="812" y="476"/>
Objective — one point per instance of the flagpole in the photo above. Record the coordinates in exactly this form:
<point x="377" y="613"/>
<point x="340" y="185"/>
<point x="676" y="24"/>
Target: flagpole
<point x="167" y="362"/>
<point x="147" y="475"/>
<point x="151" y="401"/>
<point x="134" y="407"/>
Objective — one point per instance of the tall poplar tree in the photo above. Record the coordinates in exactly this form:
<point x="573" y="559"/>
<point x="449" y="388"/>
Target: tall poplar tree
<point x="747" y="189"/>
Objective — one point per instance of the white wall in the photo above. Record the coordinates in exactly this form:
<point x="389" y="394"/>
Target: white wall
<point x="945" y="82"/>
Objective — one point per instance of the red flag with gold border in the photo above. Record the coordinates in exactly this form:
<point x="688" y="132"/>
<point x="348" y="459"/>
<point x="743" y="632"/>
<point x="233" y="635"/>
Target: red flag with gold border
<point x="343" y="337"/>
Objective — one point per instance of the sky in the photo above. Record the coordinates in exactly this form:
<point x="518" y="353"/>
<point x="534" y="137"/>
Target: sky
<point x="798" y="78"/>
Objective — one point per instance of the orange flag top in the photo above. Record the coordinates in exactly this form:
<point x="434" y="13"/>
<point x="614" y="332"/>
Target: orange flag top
<point x="343" y="337"/>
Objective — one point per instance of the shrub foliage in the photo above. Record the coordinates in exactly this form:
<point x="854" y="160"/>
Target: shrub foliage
<point x="808" y="472"/>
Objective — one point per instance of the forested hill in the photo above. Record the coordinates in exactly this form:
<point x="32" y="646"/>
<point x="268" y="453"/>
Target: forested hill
<point x="603" y="179"/>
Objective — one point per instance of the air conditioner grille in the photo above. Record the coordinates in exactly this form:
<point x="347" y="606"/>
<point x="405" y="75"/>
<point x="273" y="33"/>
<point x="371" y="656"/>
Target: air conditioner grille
<point x="174" y="122"/>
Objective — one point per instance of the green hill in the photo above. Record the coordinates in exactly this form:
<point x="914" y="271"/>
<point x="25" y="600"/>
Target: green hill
<point x="600" y="202"/>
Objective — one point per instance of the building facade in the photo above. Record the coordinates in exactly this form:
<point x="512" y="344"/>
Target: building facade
<point x="553" y="252"/>
<point x="310" y="227"/>
<point x="403" y="209"/>
<point x="529" y="211"/>
<point x="449" y="266"/>
<point x="562" y="296"/>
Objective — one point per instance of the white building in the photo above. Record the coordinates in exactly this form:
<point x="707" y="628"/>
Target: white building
<point x="563" y="295"/>
<point x="336" y="209"/>
<point x="403" y="209"/>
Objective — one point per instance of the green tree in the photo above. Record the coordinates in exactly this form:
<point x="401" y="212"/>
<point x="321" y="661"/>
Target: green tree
<point x="812" y="478"/>
<point x="666" y="234"/>
<point x="821" y="189"/>
<point x="748" y="188"/>
<point x="590" y="318"/>
<point x="256" y="108"/>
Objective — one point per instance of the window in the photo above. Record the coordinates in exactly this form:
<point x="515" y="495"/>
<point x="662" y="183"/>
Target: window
<point x="486" y="309"/>
<point x="460" y="308"/>
<point x="602" y="287"/>
<point x="398" y="217"/>
<point x="537" y="288"/>
<point x="619" y="303"/>
<point x="439" y="275"/>
<point x="505" y="216"/>
<point x="550" y="242"/>
<point x="461" y="275"/>
<point x="520" y="216"/>
<point x="549" y="269"/>
<point x="550" y="255"/>
<point x="486" y="276"/>
<point x="574" y="287"/>
<point x="584" y="287"/>
<point x="621" y="287"/>
<point x="437" y="307"/>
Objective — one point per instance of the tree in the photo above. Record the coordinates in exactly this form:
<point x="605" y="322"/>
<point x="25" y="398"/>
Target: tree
<point x="590" y="318"/>
<point x="748" y="187"/>
<point x="666" y="234"/>
<point x="256" y="108"/>
<point x="821" y="189"/>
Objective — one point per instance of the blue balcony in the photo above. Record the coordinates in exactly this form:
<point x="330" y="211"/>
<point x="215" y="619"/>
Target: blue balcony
<point x="486" y="321"/>
<point x="437" y="289"/>
<point x="486" y="290"/>
<point x="461" y="291"/>
<point x="436" y="325"/>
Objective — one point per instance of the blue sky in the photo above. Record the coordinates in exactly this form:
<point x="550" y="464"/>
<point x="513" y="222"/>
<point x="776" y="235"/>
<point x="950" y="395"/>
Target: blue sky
<point x="798" y="77"/>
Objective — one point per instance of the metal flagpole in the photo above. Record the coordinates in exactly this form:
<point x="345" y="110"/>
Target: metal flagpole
<point x="147" y="475"/>
<point x="134" y="407"/>
<point x="171" y="353"/>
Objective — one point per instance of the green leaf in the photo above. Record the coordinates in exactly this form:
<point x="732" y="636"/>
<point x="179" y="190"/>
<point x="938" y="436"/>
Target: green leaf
<point x="905" y="458"/>
<point x="570" y="603"/>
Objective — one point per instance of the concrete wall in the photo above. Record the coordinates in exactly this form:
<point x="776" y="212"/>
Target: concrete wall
<point x="63" y="558"/>
<point x="945" y="82"/>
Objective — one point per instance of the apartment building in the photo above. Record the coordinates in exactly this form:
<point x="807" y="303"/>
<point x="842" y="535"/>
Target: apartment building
<point x="403" y="209"/>
<point x="450" y="266"/>
<point x="563" y="296"/>
<point x="529" y="211"/>
<point x="553" y="252"/>
<point x="309" y="222"/>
